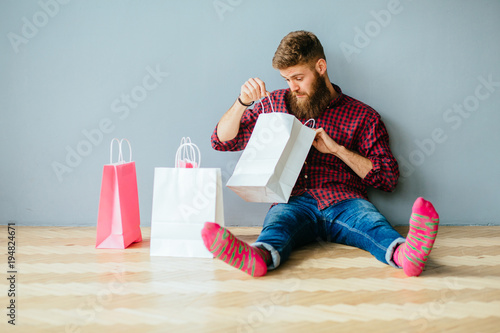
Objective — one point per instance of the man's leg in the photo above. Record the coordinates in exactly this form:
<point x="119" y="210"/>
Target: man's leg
<point x="289" y="226"/>
<point x="286" y="226"/>
<point x="358" y="223"/>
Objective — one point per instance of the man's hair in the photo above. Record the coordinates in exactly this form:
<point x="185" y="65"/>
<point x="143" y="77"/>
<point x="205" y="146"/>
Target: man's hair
<point x="298" y="48"/>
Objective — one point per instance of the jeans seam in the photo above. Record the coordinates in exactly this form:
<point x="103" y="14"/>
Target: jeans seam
<point x="363" y="234"/>
<point x="338" y="203"/>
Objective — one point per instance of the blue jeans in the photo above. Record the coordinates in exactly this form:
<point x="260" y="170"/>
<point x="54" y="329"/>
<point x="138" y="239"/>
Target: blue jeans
<point x="354" y="222"/>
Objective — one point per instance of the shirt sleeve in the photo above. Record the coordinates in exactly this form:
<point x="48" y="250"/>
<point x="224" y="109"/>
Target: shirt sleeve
<point x="247" y="125"/>
<point x="374" y="145"/>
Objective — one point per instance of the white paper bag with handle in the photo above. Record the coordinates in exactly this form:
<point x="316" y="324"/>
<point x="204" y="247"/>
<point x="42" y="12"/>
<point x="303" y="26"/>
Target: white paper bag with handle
<point x="271" y="162"/>
<point x="184" y="198"/>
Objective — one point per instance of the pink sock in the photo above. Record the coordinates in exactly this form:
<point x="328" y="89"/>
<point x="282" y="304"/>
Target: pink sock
<point x="226" y="247"/>
<point x="413" y="254"/>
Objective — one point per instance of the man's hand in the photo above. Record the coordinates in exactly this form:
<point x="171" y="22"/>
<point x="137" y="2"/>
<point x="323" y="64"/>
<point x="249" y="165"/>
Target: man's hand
<point x="324" y="143"/>
<point x="229" y="124"/>
<point x="253" y="90"/>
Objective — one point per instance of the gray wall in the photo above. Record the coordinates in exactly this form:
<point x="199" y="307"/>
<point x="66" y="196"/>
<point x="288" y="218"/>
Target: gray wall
<point x="71" y="70"/>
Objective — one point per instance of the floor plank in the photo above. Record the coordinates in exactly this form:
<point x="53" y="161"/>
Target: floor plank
<point x="64" y="284"/>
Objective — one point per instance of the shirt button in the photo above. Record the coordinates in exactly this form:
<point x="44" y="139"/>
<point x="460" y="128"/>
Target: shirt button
<point x="305" y="176"/>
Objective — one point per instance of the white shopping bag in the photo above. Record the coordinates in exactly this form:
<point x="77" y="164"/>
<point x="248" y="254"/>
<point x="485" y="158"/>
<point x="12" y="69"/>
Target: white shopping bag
<point x="184" y="198"/>
<point x="271" y="162"/>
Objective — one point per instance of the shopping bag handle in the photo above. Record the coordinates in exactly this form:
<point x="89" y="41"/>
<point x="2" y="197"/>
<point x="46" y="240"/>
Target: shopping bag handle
<point x="187" y="151"/>
<point x="313" y="122"/>
<point x="270" y="102"/>
<point x="272" y="108"/>
<point x="120" y="151"/>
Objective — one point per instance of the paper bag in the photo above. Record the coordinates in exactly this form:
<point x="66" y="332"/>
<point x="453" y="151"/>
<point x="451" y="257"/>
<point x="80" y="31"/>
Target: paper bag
<point x="184" y="198"/>
<point x="118" y="221"/>
<point x="273" y="158"/>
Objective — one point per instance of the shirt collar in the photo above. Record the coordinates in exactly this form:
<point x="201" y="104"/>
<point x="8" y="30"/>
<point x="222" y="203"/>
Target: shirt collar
<point x="339" y="98"/>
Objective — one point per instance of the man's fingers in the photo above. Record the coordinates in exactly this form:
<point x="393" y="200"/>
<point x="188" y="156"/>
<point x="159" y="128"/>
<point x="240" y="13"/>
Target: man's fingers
<point x="254" y="88"/>
<point x="319" y="132"/>
<point x="259" y="86"/>
<point x="262" y="85"/>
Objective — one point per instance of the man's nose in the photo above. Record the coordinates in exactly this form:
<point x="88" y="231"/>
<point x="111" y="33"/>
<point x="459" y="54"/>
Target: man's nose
<point x="294" y="87"/>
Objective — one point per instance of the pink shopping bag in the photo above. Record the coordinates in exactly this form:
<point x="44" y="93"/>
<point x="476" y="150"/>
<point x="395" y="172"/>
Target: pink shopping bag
<point x="118" y="221"/>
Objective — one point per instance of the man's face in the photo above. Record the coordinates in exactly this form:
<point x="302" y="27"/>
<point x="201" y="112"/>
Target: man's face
<point x="309" y="94"/>
<point x="300" y="79"/>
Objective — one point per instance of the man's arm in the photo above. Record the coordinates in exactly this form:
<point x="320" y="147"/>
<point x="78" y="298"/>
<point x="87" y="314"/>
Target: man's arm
<point x="229" y="124"/>
<point x="326" y="145"/>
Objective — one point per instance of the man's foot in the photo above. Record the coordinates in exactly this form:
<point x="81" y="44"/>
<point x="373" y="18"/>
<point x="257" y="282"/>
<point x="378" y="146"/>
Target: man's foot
<point x="226" y="247"/>
<point x="413" y="254"/>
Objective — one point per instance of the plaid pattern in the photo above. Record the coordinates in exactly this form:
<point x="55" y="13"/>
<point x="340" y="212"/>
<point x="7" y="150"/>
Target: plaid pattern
<point x="351" y="124"/>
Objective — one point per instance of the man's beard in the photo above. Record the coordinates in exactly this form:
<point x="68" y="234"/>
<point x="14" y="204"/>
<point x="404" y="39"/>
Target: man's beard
<point x="313" y="105"/>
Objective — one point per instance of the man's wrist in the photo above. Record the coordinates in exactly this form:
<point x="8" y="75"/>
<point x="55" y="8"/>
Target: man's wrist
<point x="339" y="151"/>
<point x="244" y="103"/>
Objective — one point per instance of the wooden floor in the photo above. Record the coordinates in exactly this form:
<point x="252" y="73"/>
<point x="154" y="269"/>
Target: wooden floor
<point x="65" y="285"/>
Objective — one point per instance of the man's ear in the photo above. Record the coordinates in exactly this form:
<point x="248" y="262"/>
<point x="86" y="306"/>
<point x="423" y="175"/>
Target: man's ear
<point x="321" y="66"/>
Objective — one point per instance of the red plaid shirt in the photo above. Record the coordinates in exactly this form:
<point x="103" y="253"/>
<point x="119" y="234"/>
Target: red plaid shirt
<point x="351" y="124"/>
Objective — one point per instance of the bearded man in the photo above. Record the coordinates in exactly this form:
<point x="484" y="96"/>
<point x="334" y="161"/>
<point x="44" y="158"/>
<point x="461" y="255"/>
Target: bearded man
<point x="329" y="201"/>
